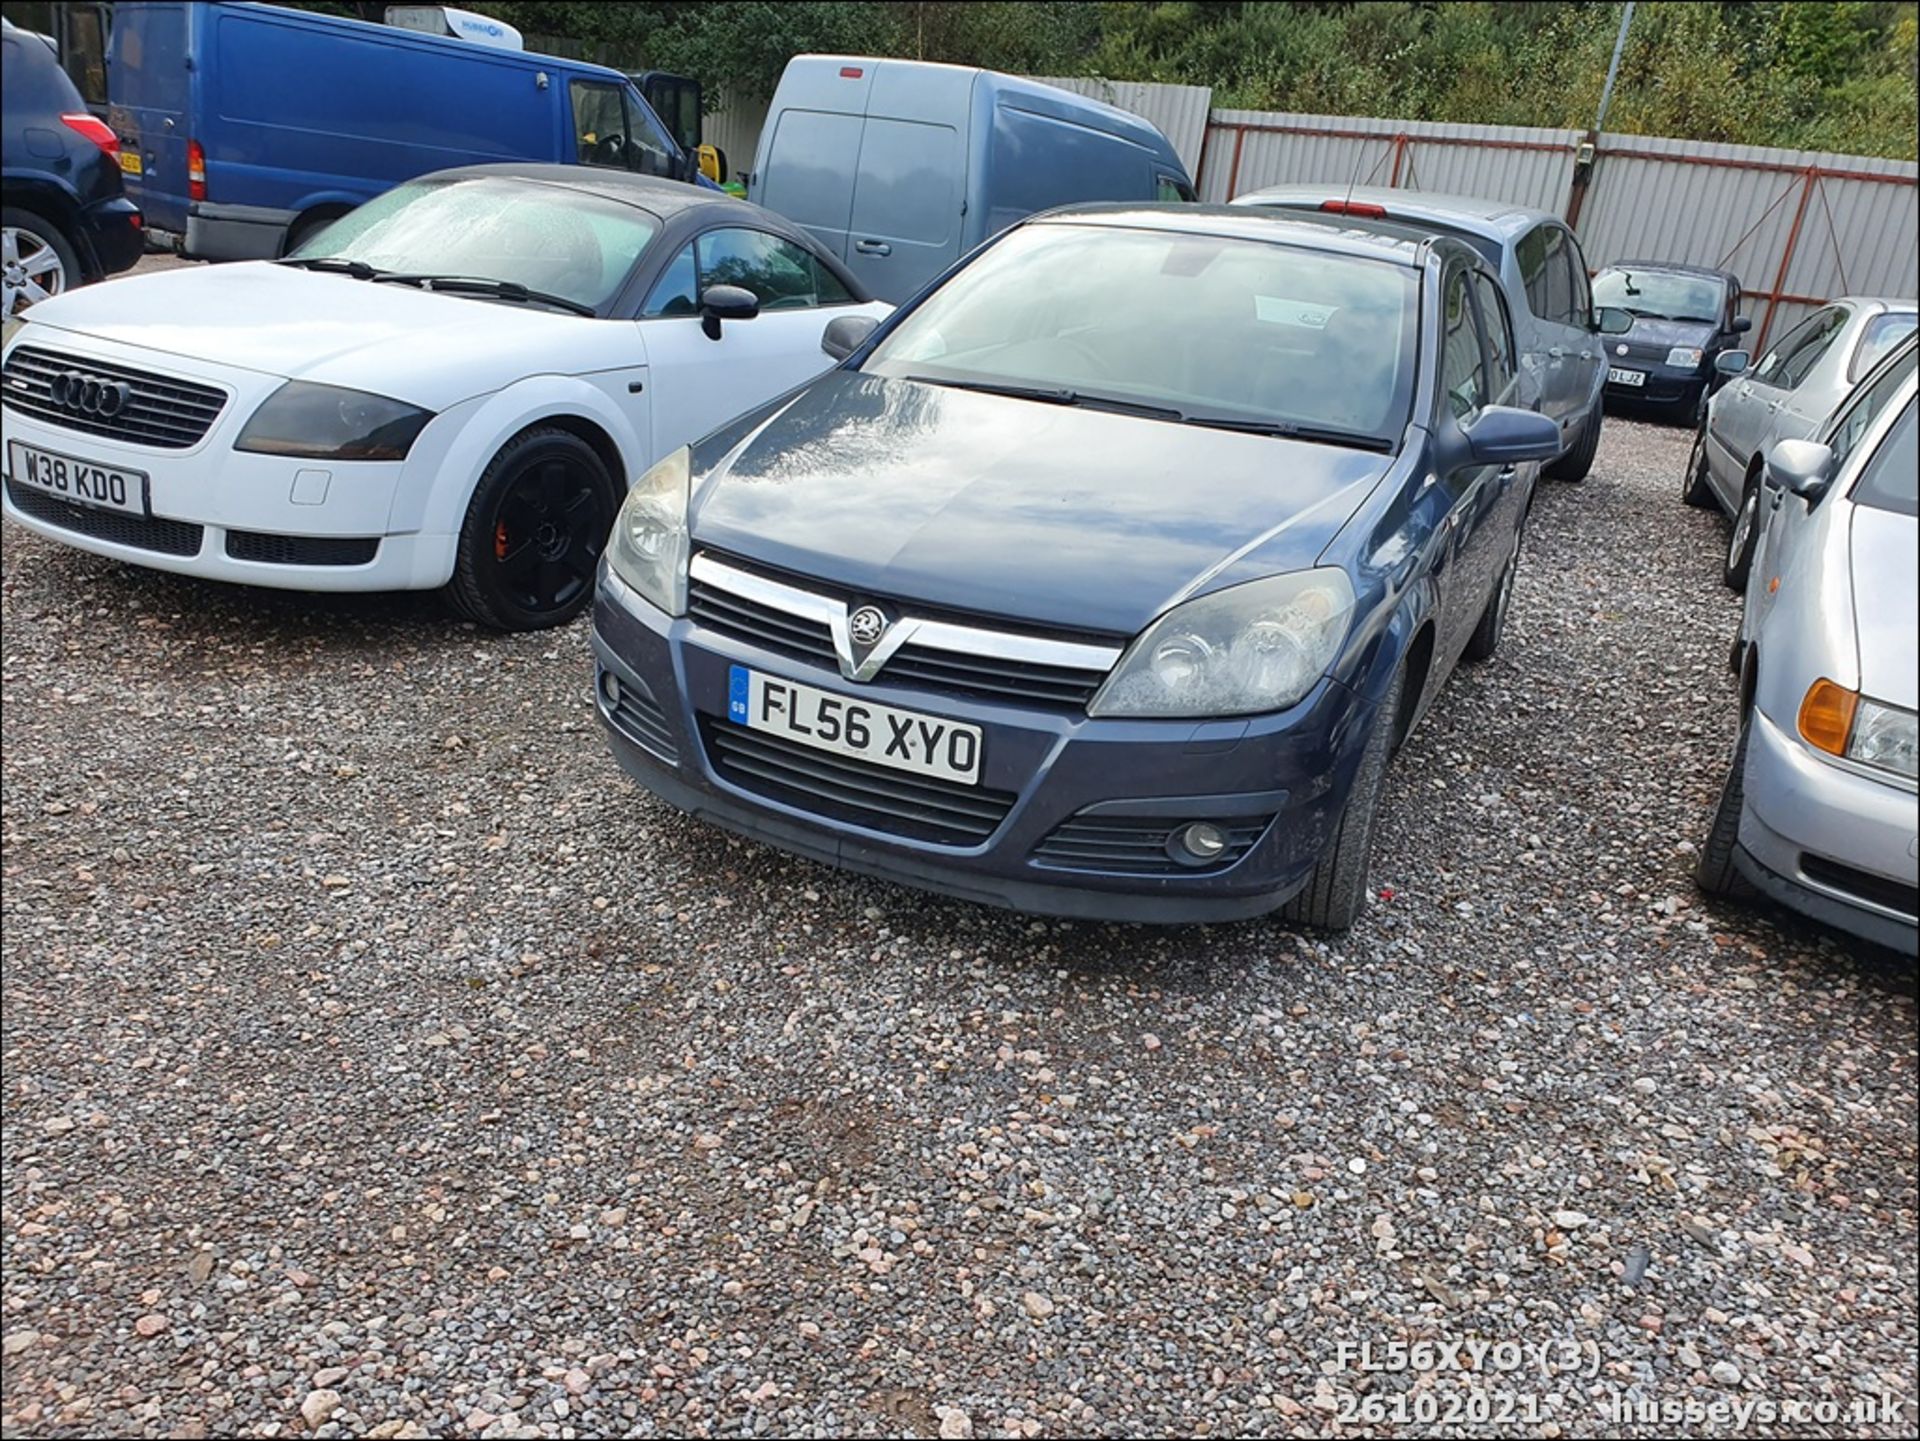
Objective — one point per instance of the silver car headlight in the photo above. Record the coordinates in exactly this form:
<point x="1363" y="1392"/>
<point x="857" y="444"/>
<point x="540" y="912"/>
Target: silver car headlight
<point x="1260" y="646"/>
<point x="1687" y="357"/>
<point x="649" y="545"/>
<point x="1885" y="737"/>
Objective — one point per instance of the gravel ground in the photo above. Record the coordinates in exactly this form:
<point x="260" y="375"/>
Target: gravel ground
<point x="378" y="1059"/>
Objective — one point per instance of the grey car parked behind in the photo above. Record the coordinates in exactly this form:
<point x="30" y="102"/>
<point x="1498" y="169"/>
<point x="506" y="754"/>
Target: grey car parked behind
<point x="1795" y="387"/>
<point x="1819" y="808"/>
<point x="1541" y="269"/>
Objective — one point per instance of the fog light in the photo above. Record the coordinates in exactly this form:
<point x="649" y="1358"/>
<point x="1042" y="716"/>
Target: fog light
<point x="1199" y="843"/>
<point x="610" y="687"/>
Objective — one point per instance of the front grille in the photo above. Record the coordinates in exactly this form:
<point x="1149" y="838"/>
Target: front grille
<point x="142" y="532"/>
<point x="988" y="675"/>
<point x="1137" y="846"/>
<point x="301" y="549"/>
<point x="637" y="716"/>
<point x="920" y="666"/>
<point x="168" y="414"/>
<point x="1863" y="884"/>
<point x="858" y="792"/>
<point x="761" y="625"/>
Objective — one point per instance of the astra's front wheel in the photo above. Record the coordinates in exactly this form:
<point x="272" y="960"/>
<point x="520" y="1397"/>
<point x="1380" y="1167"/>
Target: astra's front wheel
<point x="1336" y="893"/>
<point x="534" y="531"/>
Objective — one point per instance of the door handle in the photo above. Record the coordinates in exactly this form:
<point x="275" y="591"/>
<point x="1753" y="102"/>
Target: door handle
<point x="873" y="247"/>
<point x="1557" y="352"/>
<point x="1773" y="405"/>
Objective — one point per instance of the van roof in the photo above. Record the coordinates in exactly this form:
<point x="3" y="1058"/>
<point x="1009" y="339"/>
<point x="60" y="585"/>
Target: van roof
<point x="1234" y="223"/>
<point x="410" y="37"/>
<point x="1000" y="85"/>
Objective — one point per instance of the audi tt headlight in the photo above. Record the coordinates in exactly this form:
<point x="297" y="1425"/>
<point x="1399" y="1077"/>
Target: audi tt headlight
<point x="648" y="548"/>
<point x="1687" y="357"/>
<point x="1260" y="646"/>
<point x="1885" y="736"/>
<point x="325" y="422"/>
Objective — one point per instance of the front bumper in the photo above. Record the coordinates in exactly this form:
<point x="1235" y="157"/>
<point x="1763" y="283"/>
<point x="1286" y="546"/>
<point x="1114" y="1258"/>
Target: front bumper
<point x="224" y="514"/>
<point x="1665" y="385"/>
<point x="1830" y="842"/>
<point x="1282" y="778"/>
<point x="113" y="234"/>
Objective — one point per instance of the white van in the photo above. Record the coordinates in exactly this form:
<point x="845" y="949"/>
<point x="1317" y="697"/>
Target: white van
<point x="901" y="166"/>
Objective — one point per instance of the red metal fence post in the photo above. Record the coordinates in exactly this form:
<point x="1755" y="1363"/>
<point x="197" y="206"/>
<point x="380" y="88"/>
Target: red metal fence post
<point x="1399" y="155"/>
<point x="1786" y="259"/>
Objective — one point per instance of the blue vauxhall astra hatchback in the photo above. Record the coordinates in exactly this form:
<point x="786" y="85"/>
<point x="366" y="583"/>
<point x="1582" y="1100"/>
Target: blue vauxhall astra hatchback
<point x="1101" y="580"/>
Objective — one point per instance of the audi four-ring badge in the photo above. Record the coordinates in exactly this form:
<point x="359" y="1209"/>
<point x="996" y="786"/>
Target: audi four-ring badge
<point x="89" y="394"/>
<point x="1097" y="609"/>
<point x="412" y="400"/>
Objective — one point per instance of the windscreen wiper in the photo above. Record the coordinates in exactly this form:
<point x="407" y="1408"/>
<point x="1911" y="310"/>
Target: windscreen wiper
<point x="334" y="265"/>
<point x="1055" y="395"/>
<point x="1290" y="430"/>
<point x="501" y="289"/>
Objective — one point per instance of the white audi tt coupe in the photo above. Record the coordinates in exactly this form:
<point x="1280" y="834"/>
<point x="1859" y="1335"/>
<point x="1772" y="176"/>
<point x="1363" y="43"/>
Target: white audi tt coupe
<point x="452" y="386"/>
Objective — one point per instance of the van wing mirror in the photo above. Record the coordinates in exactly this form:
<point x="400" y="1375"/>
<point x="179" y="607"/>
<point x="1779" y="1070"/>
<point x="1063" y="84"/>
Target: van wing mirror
<point x="1742" y="324"/>
<point x="725" y="302"/>
<point x="1801" y="466"/>
<point x="1507" y="435"/>
<point x="845" y="334"/>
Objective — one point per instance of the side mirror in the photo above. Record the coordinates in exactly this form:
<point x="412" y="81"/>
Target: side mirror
<point x="845" y="334"/>
<point x="725" y="302"/>
<point x="1732" y="362"/>
<point x="1742" y="324"/>
<point x="1507" y="435"/>
<point x="1612" y="320"/>
<point x="1801" y="466"/>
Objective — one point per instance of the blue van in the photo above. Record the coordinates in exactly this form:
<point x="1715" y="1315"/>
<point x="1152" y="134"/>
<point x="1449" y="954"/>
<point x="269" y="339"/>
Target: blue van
<point x="245" y="128"/>
<point x="900" y="167"/>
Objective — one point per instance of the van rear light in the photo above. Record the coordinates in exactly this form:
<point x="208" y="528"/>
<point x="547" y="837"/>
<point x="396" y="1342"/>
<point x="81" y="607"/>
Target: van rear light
<point x="1365" y="209"/>
<point x="851" y="72"/>
<point x="196" y="171"/>
<point x="94" y="129"/>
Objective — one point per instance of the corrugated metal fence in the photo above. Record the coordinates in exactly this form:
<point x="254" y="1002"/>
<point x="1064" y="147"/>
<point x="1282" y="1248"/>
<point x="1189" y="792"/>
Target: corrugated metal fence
<point x="1798" y="228"/>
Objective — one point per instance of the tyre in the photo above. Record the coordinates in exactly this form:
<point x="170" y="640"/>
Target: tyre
<point x="1695" y="489"/>
<point x="1336" y="892"/>
<point x="1745" y="538"/>
<point x="533" y="533"/>
<point x="1714" y="872"/>
<point x="1485" y="639"/>
<point x="38" y="261"/>
<point x="1578" y="460"/>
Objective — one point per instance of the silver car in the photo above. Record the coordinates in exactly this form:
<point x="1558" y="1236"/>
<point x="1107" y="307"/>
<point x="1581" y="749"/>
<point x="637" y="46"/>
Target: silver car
<point x="1819" y="808"/>
<point x="1561" y="336"/>
<point x="1787" y="396"/>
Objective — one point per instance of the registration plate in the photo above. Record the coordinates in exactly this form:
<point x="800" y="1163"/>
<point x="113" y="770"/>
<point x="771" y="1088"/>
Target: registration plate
<point x="881" y="734"/>
<point x="77" y="480"/>
<point x="129" y="160"/>
<point x="1627" y="377"/>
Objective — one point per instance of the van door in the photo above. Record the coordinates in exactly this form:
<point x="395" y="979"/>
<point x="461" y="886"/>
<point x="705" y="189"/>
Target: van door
<point x="906" y="205"/>
<point x="807" y="172"/>
<point x="149" y="88"/>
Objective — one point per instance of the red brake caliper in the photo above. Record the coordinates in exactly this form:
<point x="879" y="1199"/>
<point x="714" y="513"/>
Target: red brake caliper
<point x="500" y="540"/>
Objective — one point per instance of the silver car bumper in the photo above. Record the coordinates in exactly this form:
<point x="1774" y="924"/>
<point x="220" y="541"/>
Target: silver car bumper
<point x="1830" y="842"/>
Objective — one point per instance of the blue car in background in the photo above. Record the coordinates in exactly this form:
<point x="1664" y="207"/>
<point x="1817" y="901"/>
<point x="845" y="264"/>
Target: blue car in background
<point x="1102" y="580"/>
<point x="246" y="128"/>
